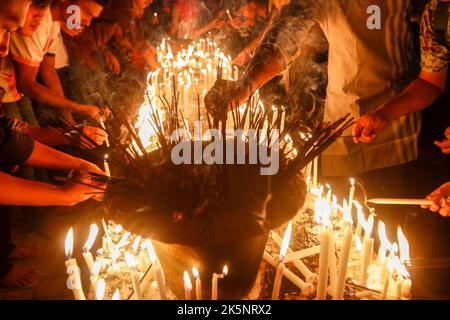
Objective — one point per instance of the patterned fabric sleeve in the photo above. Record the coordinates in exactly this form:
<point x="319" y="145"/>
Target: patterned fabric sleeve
<point x="15" y="146"/>
<point x="290" y="30"/>
<point x="435" y="57"/>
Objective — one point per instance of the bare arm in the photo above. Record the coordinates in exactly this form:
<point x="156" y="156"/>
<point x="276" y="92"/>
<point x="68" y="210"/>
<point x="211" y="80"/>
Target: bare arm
<point x="420" y="94"/>
<point x="27" y="82"/>
<point x="20" y="192"/>
<point x="43" y="156"/>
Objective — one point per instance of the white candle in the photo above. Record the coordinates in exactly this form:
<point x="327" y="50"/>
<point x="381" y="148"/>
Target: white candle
<point x="310" y="276"/>
<point x="88" y="245"/>
<point x="316" y="172"/>
<point x="278" y="278"/>
<point x="351" y="195"/>
<point x="135" y="278"/>
<point x="280" y="266"/>
<point x="215" y="280"/>
<point x="306" y="288"/>
<point x="74" y="281"/>
<point x="94" y="275"/>
<point x="102" y="123"/>
<point x="332" y="265"/>
<point x="198" y="283"/>
<point x="329" y="193"/>
<point x="106" y="166"/>
<point x="157" y="271"/>
<point x="100" y="292"/>
<point x="343" y="263"/>
<point x="366" y="259"/>
<point x="187" y="286"/>
<point x="323" y="263"/>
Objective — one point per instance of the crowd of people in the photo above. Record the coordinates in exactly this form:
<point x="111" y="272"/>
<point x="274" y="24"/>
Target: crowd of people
<point x="59" y="59"/>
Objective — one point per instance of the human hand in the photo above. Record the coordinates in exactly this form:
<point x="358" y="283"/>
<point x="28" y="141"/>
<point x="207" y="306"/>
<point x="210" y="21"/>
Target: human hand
<point x="369" y="126"/>
<point x="225" y="95"/>
<point x="96" y="113"/>
<point x="445" y="144"/>
<point x="112" y="63"/>
<point x="241" y="58"/>
<point x="95" y="134"/>
<point x="80" y="188"/>
<point x="441" y="200"/>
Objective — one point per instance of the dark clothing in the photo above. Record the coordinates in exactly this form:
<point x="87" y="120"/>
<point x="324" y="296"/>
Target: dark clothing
<point x="15" y="148"/>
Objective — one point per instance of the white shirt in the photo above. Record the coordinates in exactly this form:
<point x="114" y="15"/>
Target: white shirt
<point x="31" y="50"/>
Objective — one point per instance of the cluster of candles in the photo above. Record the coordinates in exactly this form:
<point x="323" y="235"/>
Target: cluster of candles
<point x="385" y="277"/>
<point x="192" y="70"/>
<point x="126" y="256"/>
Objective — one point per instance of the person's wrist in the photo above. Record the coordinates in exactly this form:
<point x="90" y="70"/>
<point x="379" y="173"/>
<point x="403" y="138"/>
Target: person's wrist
<point x="383" y="113"/>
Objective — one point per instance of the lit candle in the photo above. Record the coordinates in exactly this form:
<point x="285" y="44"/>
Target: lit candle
<point x="102" y="123"/>
<point x="316" y="171"/>
<point x="198" y="283"/>
<point x="351" y="196"/>
<point x="361" y="218"/>
<point x="132" y="263"/>
<point x="101" y="287"/>
<point x="88" y="245"/>
<point x="329" y="193"/>
<point x="280" y="266"/>
<point x="94" y="275"/>
<point x="74" y="281"/>
<point x="310" y="276"/>
<point x="404" y="246"/>
<point x="325" y="242"/>
<point x="106" y="166"/>
<point x="215" y="280"/>
<point x="187" y="286"/>
<point x="157" y="270"/>
<point x="343" y="262"/>
<point x="368" y="243"/>
<point x="384" y="242"/>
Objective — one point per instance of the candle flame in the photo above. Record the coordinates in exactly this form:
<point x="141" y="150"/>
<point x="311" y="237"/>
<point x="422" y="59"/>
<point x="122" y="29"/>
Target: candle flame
<point x="383" y="237"/>
<point x="400" y="268"/>
<point x="69" y="243"/>
<point x="404" y="246"/>
<point x="322" y="212"/>
<point x="101" y="286"/>
<point x="286" y="240"/>
<point x="151" y="251"/>
<point x="187" y="281"/>
<point x="130" y="260"/>
<point x="118" y="228"/>
<point x="195" y="272"/>
<point x="116" y="295"/>
<point x="352" y="182"/>
<point x="225" y="270"/>
<point x="346" y="212"/>
<point x="136" y="243"/>
<point x="91" y="239"/>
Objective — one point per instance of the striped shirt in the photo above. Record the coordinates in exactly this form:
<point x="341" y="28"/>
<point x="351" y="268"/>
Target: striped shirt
<point x="371" y="60"/>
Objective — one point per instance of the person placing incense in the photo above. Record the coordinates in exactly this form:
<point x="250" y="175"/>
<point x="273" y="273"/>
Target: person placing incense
<point x="443" y="192"/>
<point x="37" y="54"/>
<point x="426" y="89"/>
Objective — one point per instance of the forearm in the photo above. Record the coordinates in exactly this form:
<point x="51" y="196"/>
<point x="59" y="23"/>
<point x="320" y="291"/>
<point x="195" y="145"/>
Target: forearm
<point x="47" y="157"/>
<point x="51" y="80"/>
<point x="419" y="95"/>
<point x="20" y="192"/>
<point x="265" y="65"/>
<point x="48" y="136"/>
<point x="47" y="96"/>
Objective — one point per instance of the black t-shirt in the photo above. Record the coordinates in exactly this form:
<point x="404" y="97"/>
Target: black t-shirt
<point x="15" y="148"/>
